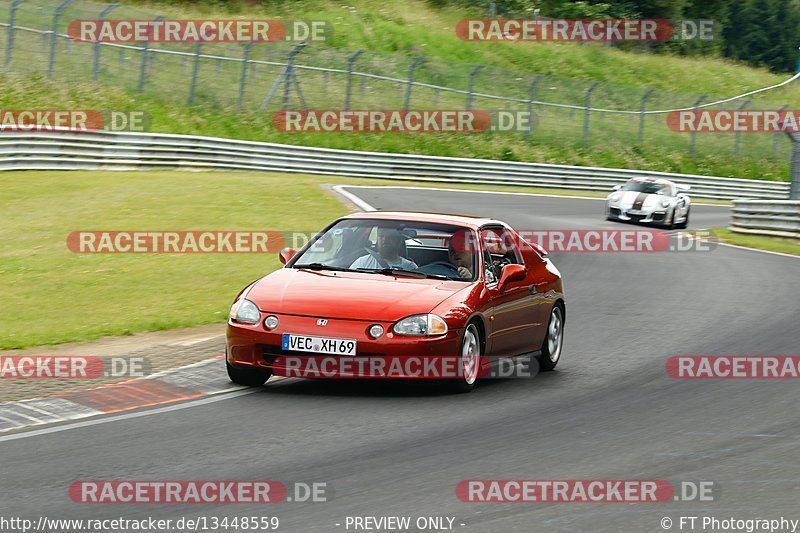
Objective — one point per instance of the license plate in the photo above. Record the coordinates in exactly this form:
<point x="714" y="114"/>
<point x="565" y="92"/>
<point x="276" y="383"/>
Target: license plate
<point x="306" y="343"/>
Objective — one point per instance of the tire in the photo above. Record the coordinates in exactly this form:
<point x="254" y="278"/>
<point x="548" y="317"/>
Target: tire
<point x="469" y="358"/>
<point x="671" y="224"/>
<point x="685" y="223"/>
<point x="554" y="341"/>
<point x="247" y="376"/>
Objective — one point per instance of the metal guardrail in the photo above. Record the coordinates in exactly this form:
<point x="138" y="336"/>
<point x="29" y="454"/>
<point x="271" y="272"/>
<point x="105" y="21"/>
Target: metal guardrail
<point x="777" y="218"/>
<point x="138" y="151"/>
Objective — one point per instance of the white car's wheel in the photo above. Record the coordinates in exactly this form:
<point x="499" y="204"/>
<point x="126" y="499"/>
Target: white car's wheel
<point x="685" y="223"/>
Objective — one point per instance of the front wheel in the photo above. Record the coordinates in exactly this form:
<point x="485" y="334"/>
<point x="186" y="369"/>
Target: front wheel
<point x="551" y="348"/>
<point x="685" y="223"/>
<point x="469" y="360"/>
<point x="247" y="376"/>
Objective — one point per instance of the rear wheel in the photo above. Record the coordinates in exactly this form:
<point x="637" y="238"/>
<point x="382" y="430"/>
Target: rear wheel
<point x="551" y="348"/>
<point x="247" y="376"/>
<point x="469" y="360"/>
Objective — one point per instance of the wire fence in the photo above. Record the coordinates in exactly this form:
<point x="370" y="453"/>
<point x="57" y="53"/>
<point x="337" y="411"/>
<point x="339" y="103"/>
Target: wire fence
<point x="266" y="77"/>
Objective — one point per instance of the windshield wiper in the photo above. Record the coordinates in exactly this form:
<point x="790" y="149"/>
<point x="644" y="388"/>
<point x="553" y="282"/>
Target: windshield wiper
<point x="320" y="266"/>
<point x="402" y="272"/>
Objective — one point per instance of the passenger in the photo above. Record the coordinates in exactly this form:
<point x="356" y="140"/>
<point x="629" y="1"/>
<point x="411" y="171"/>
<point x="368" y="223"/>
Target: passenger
<point x="460" y="251"/>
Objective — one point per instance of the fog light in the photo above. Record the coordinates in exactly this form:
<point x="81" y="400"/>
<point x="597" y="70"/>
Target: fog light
<point x="271" y="322"/>
<point x="376" y="331"/>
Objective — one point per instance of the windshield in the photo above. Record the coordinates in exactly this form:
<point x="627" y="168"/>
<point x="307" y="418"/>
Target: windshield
<point x="648" y="187"/>
<point x="393" y="247"/>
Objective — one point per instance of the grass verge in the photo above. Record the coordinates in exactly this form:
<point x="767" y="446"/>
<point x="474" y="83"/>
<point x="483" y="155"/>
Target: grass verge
<point x="771" y="244"/>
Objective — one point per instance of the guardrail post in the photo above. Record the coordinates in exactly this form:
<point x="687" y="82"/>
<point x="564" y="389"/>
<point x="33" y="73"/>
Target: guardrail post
<point x="283" y="77"/>
<point x="470" y="85"/>
<point x="417" y="62"/>
<point x="143" y="70"/>
<point x="350" y="62"/>
<point x="587" y="113"/>
<point x="96" y="63"/>
<point x="693" y="141"/>
<point x="195" y="69"/>
<point x="289" y="75"/>
<point x="243" y="78"/>
<point x="777" y="135"/>
<point x="11" y="19"/>
<point x="737" y="143"/>
<point x="642" y="115"/>
<point x="531" y="98"/>
<point x="794" y="188"/>
<point x="54" y="37"/>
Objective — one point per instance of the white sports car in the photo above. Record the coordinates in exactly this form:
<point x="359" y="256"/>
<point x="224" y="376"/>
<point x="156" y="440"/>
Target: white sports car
<point x="650" y="201"/>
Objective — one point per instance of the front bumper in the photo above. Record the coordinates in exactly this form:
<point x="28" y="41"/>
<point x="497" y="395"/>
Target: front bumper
<point x="639" y="217"/>
<point x="253" y="346"/>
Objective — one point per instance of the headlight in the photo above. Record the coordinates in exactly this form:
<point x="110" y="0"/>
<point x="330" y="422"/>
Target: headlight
<point x="614" y="198"/>
<point x="245" y="311"/>
<point x="665" y="203"/>
<point x="421" y="325"/>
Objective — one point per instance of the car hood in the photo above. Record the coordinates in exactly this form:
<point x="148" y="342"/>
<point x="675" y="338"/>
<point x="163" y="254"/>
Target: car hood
<point x="349" y="295"/>
<point x="648" y="201"/>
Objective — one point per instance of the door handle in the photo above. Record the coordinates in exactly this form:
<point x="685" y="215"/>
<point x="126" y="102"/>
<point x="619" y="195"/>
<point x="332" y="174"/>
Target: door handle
<point x="532" y="289"/>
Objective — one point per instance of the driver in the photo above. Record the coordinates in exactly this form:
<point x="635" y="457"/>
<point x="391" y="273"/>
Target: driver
<point x="459" y="251"/>
<point x="389" y="245"/>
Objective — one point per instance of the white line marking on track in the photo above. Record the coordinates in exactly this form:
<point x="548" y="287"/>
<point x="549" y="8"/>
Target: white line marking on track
<point x="757" y="250"/>
<point x="361" y="204"/>
<point x="126" y="416"/>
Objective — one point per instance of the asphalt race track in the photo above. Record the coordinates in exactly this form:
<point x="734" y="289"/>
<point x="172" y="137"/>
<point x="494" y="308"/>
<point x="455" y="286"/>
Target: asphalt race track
<point x="608" y="412"/>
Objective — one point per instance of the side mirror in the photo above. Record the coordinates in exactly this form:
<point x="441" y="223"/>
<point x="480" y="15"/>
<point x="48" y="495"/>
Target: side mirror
<point x="616" y="187"/>
<point x="511" y="273"/>
<point x="286" y="254"/>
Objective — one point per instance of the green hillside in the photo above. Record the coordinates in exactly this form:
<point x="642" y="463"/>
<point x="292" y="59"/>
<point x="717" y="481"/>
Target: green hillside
<point x="393" y="34"/>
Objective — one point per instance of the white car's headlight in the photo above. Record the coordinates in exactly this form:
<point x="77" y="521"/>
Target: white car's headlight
<point x="665" y="203"/>
<point x="245" y="311"/>
<point x="421" y="325"/>
<point x="614" y="198"/>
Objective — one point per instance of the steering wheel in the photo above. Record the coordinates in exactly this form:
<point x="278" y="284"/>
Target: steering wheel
<point x="441" y="268"/>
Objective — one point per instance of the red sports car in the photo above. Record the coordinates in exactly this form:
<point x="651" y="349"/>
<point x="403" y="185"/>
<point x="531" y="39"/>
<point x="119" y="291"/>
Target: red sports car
<point x="400" y="295"/>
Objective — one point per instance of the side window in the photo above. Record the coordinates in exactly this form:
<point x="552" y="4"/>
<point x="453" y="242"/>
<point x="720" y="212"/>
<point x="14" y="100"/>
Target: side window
<point x="500" y="249"/>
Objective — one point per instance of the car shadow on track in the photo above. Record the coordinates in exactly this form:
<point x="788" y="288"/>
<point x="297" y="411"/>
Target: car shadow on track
<point x="397" y="388"/>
